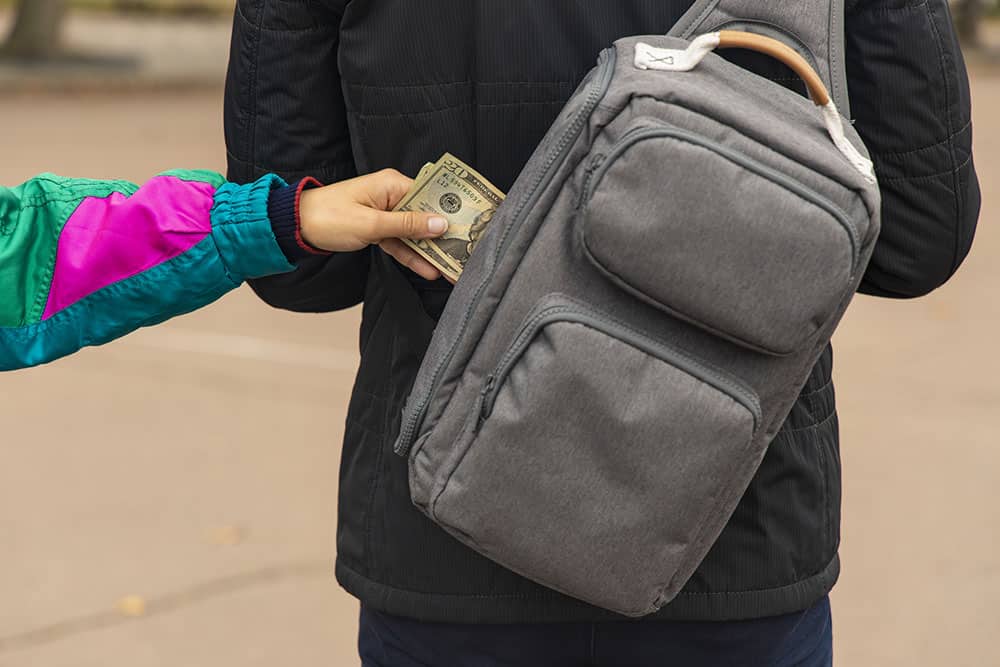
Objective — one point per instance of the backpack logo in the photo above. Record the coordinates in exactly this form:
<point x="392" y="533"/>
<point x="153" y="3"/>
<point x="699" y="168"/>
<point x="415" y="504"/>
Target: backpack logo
<point x="648" y="56"/>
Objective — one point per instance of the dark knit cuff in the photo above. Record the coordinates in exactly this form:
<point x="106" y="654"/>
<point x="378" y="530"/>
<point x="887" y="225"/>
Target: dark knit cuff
<point x="283" y="210"/>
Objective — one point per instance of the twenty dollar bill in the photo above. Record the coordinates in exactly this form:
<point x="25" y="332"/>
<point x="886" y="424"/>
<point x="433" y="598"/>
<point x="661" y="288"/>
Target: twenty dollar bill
<point x="454" y="190"/>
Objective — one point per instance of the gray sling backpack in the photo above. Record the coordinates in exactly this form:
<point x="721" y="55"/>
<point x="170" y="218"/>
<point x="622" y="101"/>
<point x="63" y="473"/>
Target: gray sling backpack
<point x="646" y="306"/>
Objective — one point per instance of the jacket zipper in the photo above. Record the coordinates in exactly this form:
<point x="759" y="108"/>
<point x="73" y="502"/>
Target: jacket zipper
<point x="609" y="326"/>
<point x="642" y="133"/>
<point x="606" y="67"/>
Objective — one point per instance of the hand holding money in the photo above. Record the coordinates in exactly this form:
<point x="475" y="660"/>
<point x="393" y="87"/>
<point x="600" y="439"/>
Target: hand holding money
<point x="352" y="214"/>
<point x="453" y="190"/>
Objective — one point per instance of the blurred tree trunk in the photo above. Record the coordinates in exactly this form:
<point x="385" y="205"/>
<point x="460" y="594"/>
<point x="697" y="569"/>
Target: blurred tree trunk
<point x="37" y="28"/>
<point x="968" y="16"/>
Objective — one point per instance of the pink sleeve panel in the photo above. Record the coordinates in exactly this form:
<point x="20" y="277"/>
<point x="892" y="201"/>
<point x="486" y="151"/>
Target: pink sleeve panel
<point x="113" y="238"/>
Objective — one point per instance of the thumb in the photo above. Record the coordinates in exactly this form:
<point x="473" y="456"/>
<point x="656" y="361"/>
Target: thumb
<point x="409" y="225"/>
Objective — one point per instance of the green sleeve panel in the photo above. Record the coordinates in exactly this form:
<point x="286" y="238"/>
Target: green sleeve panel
<point x="32" y="216"/>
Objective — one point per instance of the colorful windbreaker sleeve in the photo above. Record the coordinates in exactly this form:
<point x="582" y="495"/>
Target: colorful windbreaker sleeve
<point x="83" y="262"/>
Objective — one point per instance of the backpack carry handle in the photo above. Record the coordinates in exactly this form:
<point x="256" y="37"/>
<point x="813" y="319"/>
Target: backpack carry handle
<point x="685" y="60"/>
<point x="734" y="39"/>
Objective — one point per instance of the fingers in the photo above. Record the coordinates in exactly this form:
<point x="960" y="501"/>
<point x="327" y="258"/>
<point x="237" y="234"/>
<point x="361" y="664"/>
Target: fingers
<point x="408" y="225"/>
<point x="384" y="189"/>
<point x="408" y="257"/>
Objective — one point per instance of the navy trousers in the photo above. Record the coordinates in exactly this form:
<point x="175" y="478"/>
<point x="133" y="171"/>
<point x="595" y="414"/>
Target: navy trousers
<point x="803" y="639"/>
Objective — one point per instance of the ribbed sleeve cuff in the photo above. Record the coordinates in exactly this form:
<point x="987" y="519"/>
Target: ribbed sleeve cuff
<point x="242" y="230"/>
<point x="286" y="222"/>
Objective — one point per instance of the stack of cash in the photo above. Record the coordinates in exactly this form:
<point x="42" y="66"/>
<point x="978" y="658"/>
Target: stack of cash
<point x="454" y="190"/>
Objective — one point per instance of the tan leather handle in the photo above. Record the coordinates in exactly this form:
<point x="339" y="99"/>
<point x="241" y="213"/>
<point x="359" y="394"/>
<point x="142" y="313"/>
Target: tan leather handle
<point x="733" y="39"/>
<point x="649" y="57"/>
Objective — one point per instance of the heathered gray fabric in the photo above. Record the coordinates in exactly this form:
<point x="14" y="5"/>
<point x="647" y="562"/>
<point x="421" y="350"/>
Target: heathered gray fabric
<point x="636" y="325"/>
<point x="693" y="260"/>
<point x="608" y="479"/>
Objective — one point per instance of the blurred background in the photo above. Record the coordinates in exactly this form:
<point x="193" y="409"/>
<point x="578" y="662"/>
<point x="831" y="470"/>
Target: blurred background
<point x="170" y="499"/>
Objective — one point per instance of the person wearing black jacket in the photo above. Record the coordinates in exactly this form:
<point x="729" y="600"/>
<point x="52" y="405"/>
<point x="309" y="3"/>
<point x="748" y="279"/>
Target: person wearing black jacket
<point x="334" y="88"/>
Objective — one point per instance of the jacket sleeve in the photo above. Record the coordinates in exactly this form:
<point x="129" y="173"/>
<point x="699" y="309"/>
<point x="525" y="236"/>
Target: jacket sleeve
<point x="910" y="99"/>
<point x="284" y="114"/>
<point x="83" y="262"/>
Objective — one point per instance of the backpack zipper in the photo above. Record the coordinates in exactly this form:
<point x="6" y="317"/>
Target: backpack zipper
<point x="600" y="85"/>
<point x="620" y="331"/>
<point x="644" y="132"/>
<point x="597" y="161"/>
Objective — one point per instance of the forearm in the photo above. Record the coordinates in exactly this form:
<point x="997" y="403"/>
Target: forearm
<point x="313" y="286"/>
<point x="284" y="113"/>
<point x="84" y="262"/>
<point x="910" y="98"/>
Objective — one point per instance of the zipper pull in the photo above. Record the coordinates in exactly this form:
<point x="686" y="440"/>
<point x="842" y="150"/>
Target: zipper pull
<point x="485" y="404"/>
<point x="595" y="162"/>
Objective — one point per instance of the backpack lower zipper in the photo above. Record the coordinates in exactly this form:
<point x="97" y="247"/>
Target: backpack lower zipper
<point x="602" y="81"/>
<point x="643" y="132"/>
<point x="609" y="326"/>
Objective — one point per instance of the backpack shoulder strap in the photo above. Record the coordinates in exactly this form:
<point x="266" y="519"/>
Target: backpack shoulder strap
<point x="814" y="28"/>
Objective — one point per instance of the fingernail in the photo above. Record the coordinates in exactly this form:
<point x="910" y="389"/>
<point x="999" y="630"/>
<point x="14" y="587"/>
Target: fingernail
<point x="437" y="225"/>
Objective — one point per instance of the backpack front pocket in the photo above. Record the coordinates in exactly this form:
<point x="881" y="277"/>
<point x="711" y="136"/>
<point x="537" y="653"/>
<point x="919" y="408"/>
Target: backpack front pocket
<point x="718" y="238"/>
<point x="603" y="463"/>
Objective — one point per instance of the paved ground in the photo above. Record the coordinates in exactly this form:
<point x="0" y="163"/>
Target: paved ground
<point x="195" y="464"/>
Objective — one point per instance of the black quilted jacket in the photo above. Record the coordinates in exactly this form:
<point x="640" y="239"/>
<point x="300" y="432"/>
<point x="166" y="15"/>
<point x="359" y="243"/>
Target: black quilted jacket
<point x="332" y="88"/>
